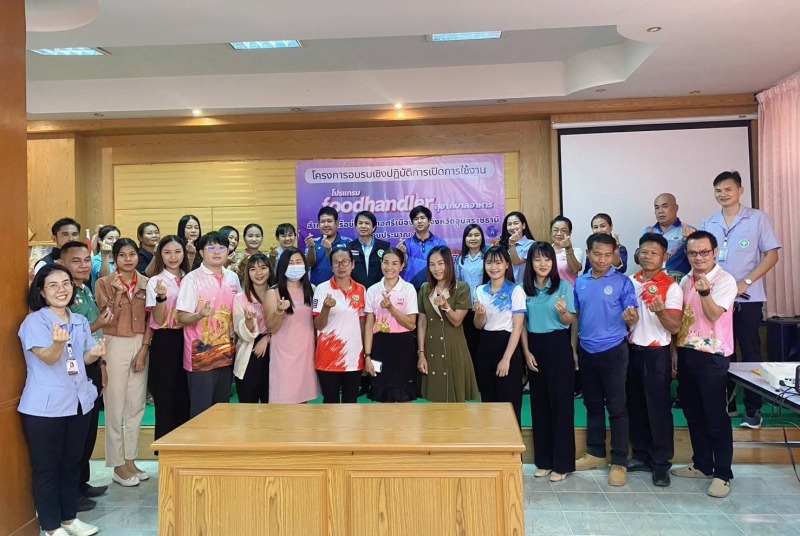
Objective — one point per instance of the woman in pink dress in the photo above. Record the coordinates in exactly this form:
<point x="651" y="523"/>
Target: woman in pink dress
<point x="292" y="378"/>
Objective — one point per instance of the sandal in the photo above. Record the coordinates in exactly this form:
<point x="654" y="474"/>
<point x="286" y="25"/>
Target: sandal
<point x="558" y="477"/>
<point x="541" y="473"/>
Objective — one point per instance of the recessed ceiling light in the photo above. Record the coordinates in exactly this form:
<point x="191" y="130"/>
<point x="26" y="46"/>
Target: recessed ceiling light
<point x="197" y="112"/>
<point x="99" y="115"/>
<point x="464" y="36"/>
<point x="295" y="109"/>
<point x="654" y="29"/>
<point x="600" y="90"/>
<point x="261" y="45"/>
<point x="398" y="105"/>
<point x="694" y="92"/>
<point x="502" y="101"/>
<point x="73" y="51"/>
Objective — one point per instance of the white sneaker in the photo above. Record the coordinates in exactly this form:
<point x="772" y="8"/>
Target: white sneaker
<point x="57" y="532"/>
<point x="142" y="476"/>
<point x="126" y="482"/>
<point x="79" y="528"/>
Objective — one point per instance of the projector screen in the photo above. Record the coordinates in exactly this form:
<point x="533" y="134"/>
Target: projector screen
<point x="621" y="170"/>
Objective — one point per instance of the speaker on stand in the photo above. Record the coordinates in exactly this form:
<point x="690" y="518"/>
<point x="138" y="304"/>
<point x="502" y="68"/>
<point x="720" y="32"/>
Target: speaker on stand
<point x="783" y="339"/>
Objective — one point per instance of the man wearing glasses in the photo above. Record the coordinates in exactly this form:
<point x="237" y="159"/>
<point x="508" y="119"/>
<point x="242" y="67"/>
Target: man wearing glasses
<point x="748" y="250"/>
<point x="205" y="309"/>
<point x="705" y="344"/>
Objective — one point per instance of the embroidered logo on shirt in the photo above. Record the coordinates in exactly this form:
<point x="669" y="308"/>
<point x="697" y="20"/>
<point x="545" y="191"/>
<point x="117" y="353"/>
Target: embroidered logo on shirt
<point x="652" y="289"/>
<point x="608" y="291"/>
<point x="744" y="243"/>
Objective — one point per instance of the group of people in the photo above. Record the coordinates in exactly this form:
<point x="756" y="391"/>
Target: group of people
<point x="186" y="314"/>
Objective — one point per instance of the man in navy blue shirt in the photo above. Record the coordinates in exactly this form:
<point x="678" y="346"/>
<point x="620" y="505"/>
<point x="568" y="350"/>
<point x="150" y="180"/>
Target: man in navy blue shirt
<point x="318" y="249"/>
<point x="418" y="246"/>
<point x="606" y="301"/>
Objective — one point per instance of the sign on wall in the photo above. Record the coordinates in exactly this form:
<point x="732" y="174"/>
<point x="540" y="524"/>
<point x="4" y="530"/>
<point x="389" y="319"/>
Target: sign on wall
<point x="459" y="190"/>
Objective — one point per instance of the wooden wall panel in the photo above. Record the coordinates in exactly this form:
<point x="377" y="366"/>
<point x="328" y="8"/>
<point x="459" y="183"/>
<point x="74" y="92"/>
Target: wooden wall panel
<point x="17" y="514"/>
<point x="51" y="183"/>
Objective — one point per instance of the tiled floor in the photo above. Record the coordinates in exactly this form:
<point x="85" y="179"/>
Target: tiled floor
<point x="765" y="500"/>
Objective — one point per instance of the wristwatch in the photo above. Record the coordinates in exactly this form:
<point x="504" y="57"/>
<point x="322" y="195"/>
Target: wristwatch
<point x="748" y="281"/>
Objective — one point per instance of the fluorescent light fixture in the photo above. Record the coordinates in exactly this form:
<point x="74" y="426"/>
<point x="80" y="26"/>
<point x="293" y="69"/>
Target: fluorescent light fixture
<point x="465" y="36"/>
<point x="260" y="45"/>
<point x="73" y="51"/>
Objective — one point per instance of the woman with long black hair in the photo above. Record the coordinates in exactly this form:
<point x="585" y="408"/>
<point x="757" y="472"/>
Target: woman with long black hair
<point x="517" y="237"/>
<point x="148" y="235"/>
<point x="469" y="269"/>
<point x="189" y="230"/>
<point x="548" y="353"/>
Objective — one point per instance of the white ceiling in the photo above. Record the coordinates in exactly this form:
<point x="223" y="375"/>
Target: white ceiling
<point x="168" y="56"/>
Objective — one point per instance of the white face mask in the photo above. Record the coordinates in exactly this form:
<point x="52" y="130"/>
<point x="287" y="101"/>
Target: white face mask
<point x="295" y="272"/>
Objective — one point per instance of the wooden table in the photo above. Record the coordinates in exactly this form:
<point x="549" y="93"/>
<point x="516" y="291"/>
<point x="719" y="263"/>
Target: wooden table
<point x="360" y="469"/>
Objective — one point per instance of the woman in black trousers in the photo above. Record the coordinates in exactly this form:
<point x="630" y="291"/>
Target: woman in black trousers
<point x="548" y="353"/>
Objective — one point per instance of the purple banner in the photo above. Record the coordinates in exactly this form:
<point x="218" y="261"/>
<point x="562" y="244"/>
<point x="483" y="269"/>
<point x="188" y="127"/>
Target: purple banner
<point x="459" y="190"/>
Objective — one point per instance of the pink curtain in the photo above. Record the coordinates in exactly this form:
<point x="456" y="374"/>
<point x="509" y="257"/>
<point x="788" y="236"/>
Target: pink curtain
<point x="779" y="193"/>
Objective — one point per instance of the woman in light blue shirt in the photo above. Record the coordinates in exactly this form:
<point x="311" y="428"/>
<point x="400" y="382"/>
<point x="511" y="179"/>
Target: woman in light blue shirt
<point x="517" y="237"/>
<point x="469" y="269"/>
<point x="548" y="352"/>
<point x="58" y="397"/>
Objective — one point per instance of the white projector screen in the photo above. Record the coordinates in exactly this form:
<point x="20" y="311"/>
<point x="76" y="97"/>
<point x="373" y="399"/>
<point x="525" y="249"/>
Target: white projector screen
<point x="620" y="171"/>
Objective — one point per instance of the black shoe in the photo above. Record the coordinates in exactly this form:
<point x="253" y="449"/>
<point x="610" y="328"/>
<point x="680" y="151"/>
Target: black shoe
<point x="661" y="478"/>
<point x="85" y="503"/>
<point x="93" y="491"/>
<point x="676" y="403"/>
<point x="638" y="465"/>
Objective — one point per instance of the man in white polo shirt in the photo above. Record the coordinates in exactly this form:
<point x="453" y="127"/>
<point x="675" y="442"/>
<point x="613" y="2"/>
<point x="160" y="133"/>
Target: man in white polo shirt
<point x="650" y="366"/>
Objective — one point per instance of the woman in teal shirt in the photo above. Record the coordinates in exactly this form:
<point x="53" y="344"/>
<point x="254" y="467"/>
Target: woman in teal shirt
<point x="550" y="308"/>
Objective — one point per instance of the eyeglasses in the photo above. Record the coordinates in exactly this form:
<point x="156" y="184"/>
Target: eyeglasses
<point x="58" y="286"/>
<point x="337" y="264"/>
<point x="705" y="253"/>
<point x="217" y="249"/>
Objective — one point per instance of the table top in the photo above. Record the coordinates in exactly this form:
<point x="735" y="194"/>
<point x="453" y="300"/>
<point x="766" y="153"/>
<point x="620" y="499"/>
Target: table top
<point x="467" y="427"/>
<point x="743" y="373"/>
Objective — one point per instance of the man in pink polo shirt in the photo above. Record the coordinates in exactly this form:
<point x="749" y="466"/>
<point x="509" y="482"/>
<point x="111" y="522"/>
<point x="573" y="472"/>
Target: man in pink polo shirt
<point x="205" y="308"/>
<point x="705" y="344"/>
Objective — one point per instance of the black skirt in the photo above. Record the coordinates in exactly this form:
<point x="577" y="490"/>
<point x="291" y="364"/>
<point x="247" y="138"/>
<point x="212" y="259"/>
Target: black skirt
<point x="397" y="381"/>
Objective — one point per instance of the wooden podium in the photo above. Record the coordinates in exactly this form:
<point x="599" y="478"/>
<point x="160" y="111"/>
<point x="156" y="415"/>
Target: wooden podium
<point x="343" y="470"/>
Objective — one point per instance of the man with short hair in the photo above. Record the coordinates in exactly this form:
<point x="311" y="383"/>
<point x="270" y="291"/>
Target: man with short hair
<point x="205" y="309"/>
<point x="418" y="245"/>
<point x="705" y="344"/>
<point x="367" y="251"/>
<point x="674" y="231"/>
<point x="64" y="230"/>
<point x="748" y="249"/>
<point x="606" y="303"/>
<point x="318" y="249"/>
<point x="76" y="257"/>
<point x="650" y="367"/>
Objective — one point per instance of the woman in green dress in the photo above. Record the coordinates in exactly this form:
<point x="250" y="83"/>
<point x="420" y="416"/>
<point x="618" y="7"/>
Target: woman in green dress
<point x="443" y="356"/>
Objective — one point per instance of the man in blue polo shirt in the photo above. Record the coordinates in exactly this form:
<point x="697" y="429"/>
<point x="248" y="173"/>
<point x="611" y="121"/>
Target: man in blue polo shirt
<point x="418" y="246"/>
<point x="607" y="305"/>
<point x="318" y="249"/>
<point x="748" y="249"/>
<point x="675" y="231"/>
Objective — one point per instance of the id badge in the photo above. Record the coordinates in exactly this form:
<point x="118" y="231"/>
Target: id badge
<point x="723" y="254"/>
<point x="72" y="367"/>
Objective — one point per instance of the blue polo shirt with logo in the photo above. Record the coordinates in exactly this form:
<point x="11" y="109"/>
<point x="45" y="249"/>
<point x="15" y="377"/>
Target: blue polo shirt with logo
<point x="417" y="251"/>
<point x="678" y="263"/>
<point x="600" y="303"/>
<point x="322" y="270"/>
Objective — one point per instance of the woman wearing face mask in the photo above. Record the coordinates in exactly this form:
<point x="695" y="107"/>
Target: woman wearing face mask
<point x="148" y="235"/>
<point x="166" y="376"/>
<point x="339" y="319"/>
<point x="251" y="367"/>
<point x="601" y="223"/>
<point x="103" y="261"/>
<point x="189" y="230"/>
<point x="292" y="378"/>
<point x="391" y="307"/>
<point x="127" y="341"/>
